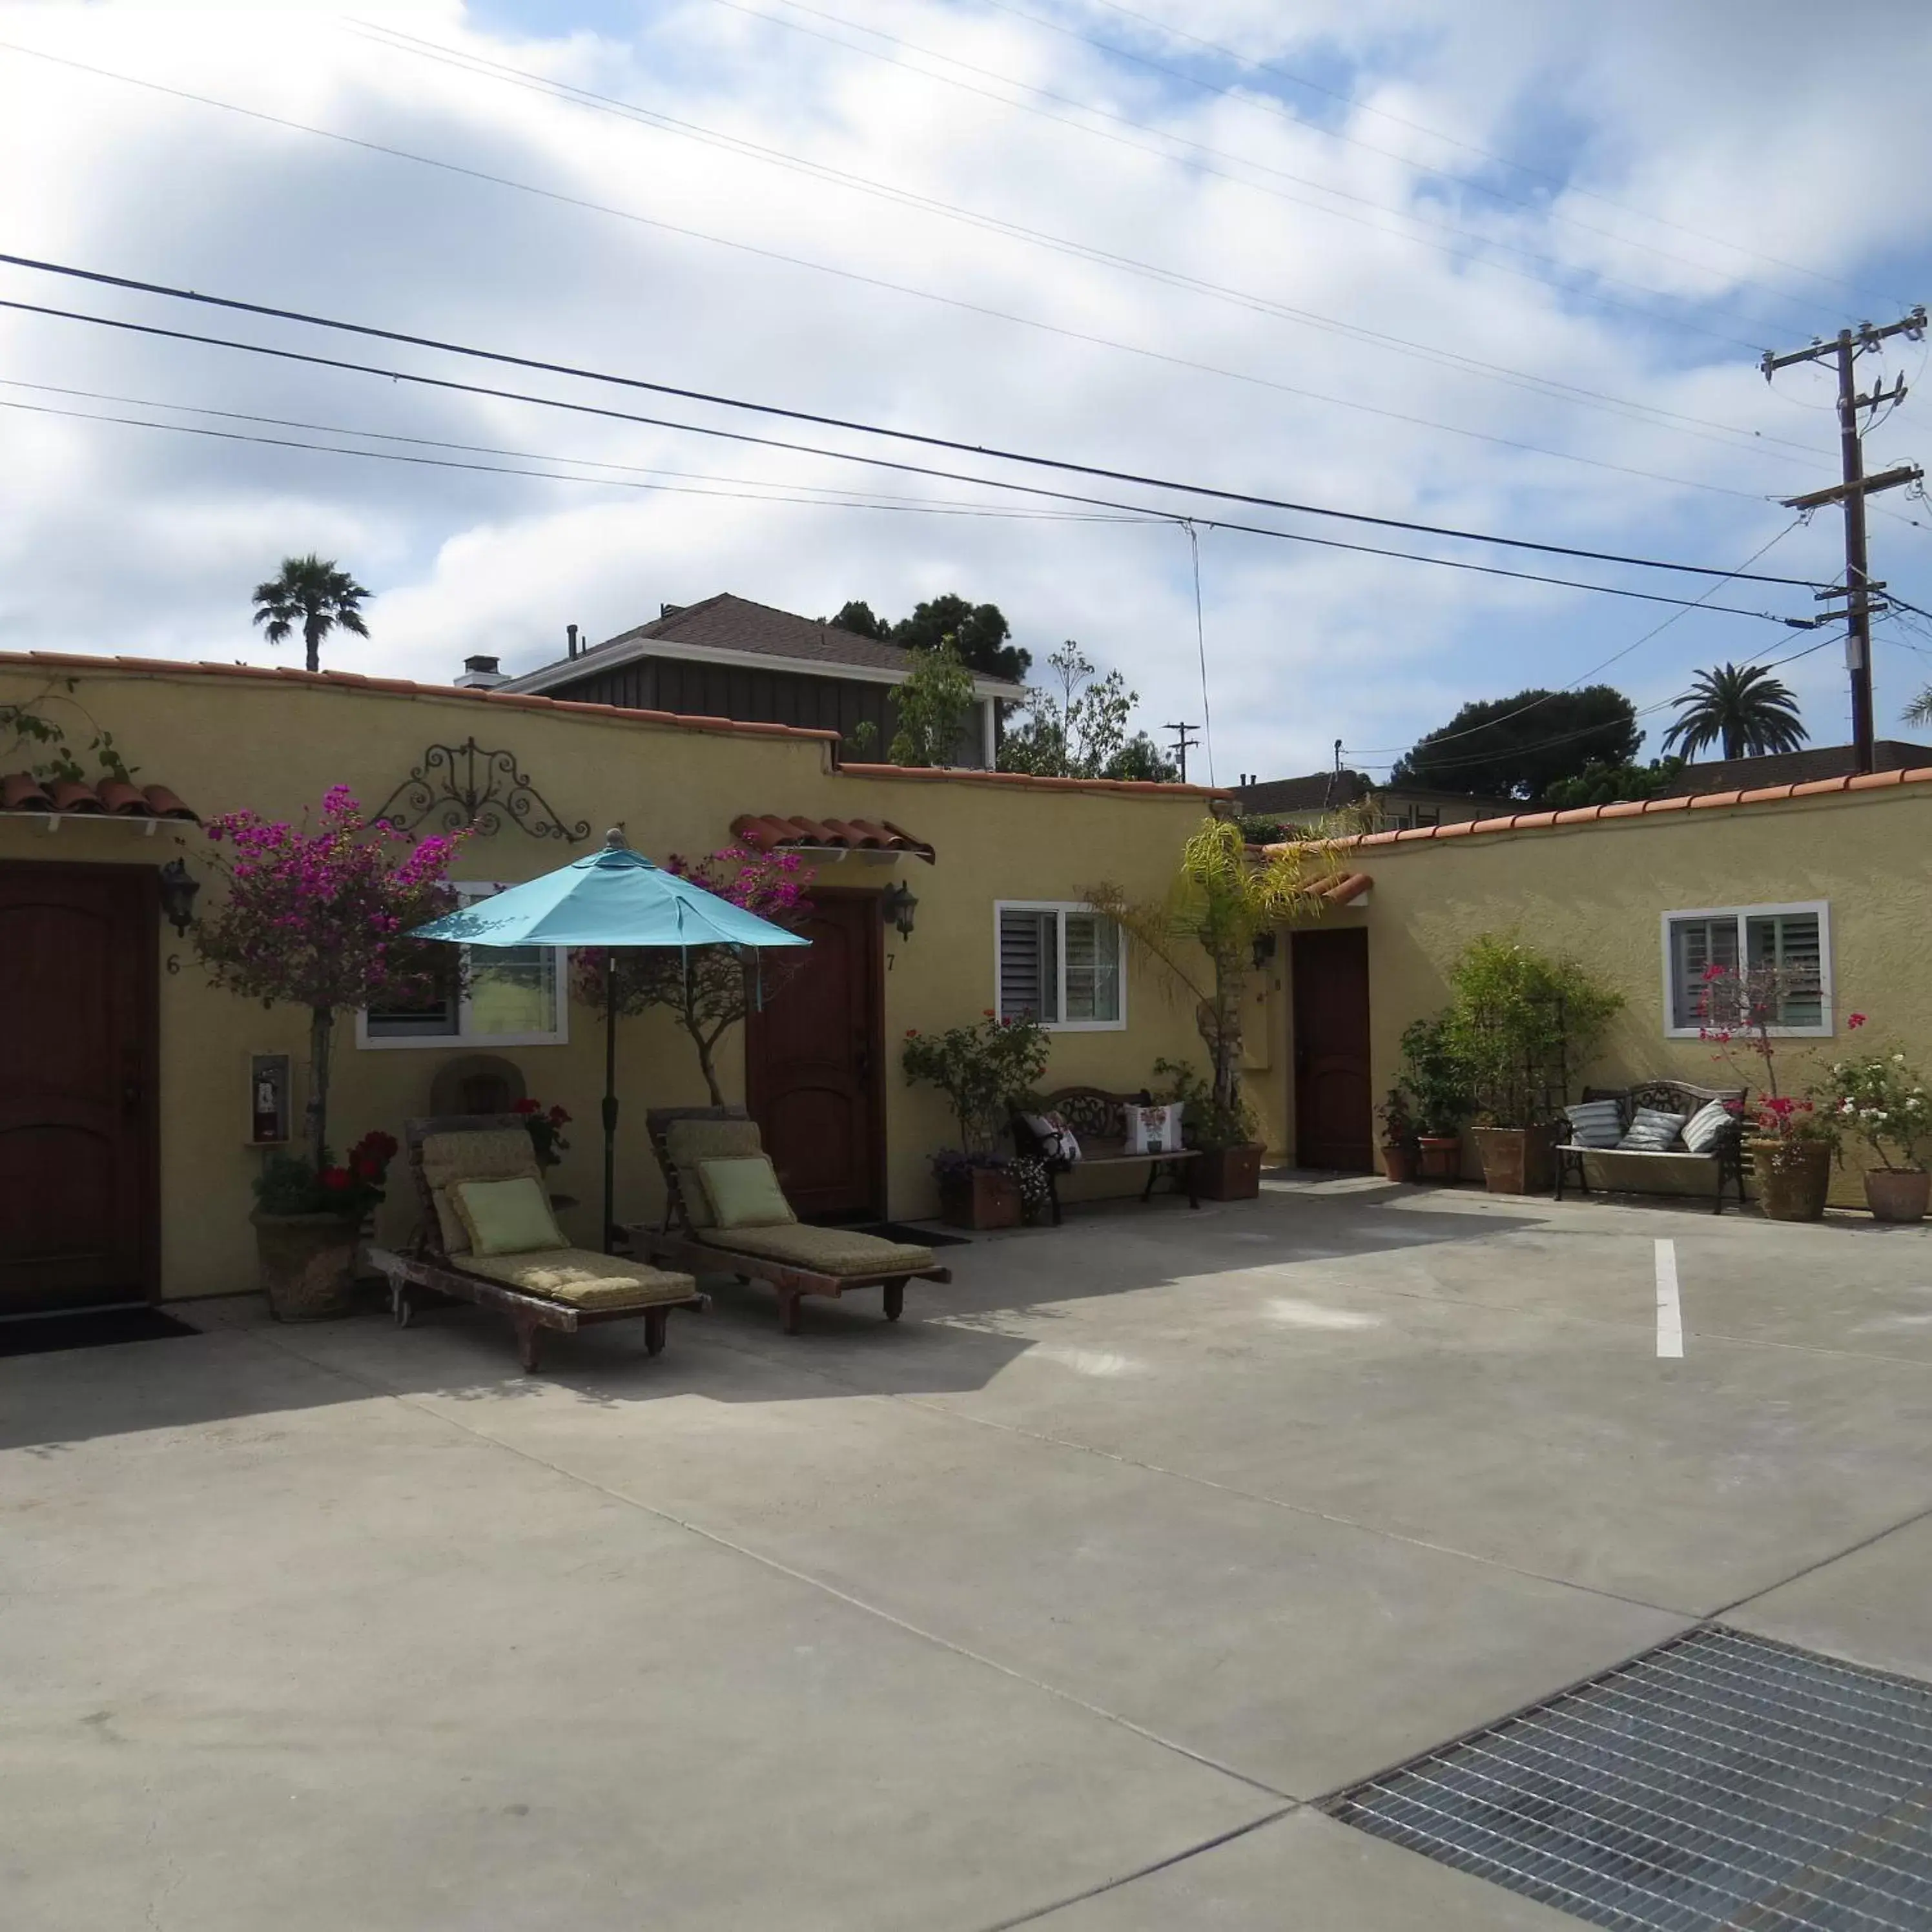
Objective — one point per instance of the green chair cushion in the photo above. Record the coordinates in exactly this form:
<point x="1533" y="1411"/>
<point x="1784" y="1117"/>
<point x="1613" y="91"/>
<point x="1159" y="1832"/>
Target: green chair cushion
<point x="583" y="1278"/>
<point x="689" y="1142"/>
<point x="744" y="1192"/>
<point x="489" y="1154"/>
<point x="836" y="1251"/>
<point x="506" y="1217"/>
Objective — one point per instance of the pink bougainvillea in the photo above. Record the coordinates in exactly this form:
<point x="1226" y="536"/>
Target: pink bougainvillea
<point x="316" y="916"/>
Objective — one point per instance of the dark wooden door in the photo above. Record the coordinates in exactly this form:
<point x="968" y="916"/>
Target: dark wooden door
<point x="77" y="1030"/>
<point x="813" y="1063"/>
<point x="1334" y="1107"/>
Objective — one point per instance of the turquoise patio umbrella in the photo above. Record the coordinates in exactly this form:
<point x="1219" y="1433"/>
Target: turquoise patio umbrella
<point x="615" y="897"/>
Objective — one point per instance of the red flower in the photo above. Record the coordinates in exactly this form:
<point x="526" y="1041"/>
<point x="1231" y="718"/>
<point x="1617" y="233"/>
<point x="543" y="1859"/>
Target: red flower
<point x="526" y="1107"/>
<point x="1855" y="1020"/>
<point x="987" y="1011"/>
<point x="912" y="1032"/>
<point x="335" y="1179"/>
<point x="559" y="1118"/>
<point x="366" y="1169"/>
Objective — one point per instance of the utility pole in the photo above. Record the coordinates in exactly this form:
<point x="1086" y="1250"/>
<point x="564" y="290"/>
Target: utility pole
<point x="1851" y="493"/>
<point x="1186" y="737"/>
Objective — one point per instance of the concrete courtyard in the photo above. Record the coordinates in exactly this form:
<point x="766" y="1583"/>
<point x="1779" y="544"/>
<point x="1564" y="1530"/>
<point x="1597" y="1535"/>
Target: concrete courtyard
<point x="1056" y="1604"/>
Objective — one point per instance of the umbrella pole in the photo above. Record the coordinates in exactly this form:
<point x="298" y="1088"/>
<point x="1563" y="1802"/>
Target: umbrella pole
<point x="609" y="1098"/>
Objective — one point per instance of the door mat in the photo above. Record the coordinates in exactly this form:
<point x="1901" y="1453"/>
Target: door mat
<point x="1721" y="1782"/>
<point x="918" y="1237"/>
<point x="87" y="1328"/>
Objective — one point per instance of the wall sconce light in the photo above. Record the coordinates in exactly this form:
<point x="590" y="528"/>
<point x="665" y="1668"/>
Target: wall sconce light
<point x="897" y="904"/>
<point x="1264" y="946"/>
<point x="177" y="891"/>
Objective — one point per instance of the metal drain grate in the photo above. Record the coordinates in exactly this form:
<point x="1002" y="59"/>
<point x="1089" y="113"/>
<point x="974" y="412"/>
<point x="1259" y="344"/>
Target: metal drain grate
<point x="1720" y="1781"/>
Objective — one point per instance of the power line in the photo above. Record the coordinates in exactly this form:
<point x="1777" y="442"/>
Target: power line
<point x="1033" y="323"/>
<point x="1199" y="148"/>
<point x="1462" y="180"/>
<point x="849" y="501"/>
<point x="1625" y="408"/>
<point x="1143" y="510"/>
<point x="922" y="440"/>
<point x="1616" y="657"/>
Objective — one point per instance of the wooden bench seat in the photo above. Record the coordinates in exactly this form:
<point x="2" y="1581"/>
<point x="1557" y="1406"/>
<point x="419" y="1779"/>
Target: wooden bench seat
<point x="1098" y="1121"/>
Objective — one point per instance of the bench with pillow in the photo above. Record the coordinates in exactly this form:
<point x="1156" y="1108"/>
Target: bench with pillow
<point x="1086" y="1126"/>
<point x="1661" y="1137"/>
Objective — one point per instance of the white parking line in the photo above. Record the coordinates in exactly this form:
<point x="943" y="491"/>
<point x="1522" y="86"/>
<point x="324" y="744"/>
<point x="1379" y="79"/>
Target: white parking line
<point x="1669" y="1315"/>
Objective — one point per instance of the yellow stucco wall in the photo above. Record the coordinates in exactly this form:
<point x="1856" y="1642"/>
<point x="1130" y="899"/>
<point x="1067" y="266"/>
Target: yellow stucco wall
<point x="1598" y="890"/>
<point x="229" y="743"/>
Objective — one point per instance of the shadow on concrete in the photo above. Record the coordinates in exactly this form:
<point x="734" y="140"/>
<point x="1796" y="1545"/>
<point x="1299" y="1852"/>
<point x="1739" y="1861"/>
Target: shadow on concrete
<point x="952" y="1340"/>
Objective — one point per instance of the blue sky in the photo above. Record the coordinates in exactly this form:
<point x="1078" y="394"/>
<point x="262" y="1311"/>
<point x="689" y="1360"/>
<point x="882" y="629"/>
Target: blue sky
<point x="1516" y="279"/>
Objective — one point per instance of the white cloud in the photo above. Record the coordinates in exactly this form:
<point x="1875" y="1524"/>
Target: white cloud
<point x="115" y="537"/>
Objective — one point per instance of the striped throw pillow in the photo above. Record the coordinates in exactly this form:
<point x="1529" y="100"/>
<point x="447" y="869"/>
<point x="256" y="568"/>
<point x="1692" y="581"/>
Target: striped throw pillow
<point x="1595" y="1123"/>
<point x="1702" y="1129"/>
<point x="1652" y="1132"/>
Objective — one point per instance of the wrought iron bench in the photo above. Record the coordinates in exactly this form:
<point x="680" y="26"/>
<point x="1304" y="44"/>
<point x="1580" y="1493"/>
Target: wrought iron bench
<point x="1634" y="1170"/>
<point x="1096" y="1119"/>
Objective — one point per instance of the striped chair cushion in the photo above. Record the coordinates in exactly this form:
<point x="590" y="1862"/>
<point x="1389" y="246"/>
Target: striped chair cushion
<point x="1652" y="1132"/>
<point x="1702" y="1129"/>
<point x="1595" y="1123"/>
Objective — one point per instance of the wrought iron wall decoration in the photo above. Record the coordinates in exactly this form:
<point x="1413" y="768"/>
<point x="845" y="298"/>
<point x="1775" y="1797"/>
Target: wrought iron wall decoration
<point x="459" y="786"/>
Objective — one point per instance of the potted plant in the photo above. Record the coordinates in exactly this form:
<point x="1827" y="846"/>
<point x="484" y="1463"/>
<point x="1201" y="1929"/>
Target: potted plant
<point x="318" y="919"/>
<point x="308" y="1219"/>
<point x="983" y="1069"/>
<point x="545" y="1126"/>
<point x="1881" y="1099"/>
<point x="1789" y="1140"/>
<point x="1204" y="939"/>
<point x="1401" y="1154"/>
<point x="1520" y="1020"/>
<point x="1228" y="1137"/>
<point x="1437" y="1082"/>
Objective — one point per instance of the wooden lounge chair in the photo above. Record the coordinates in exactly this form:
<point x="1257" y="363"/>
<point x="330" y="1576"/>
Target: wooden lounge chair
<point x="559" y="1288"/>
<point x="795" y="1258"/>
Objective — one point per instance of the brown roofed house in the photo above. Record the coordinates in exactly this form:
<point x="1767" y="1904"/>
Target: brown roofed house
<point x="730" y="658"/>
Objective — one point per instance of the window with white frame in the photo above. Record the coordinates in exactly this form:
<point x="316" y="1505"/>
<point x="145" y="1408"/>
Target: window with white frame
<point x="1060" y="964"/>
<point x="491" y="996"/>
<point x="1795" y="938"/>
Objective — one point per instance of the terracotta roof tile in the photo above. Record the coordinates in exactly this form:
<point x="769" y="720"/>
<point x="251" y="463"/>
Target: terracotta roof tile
<point x="827" y="835"/>
<point x="1347" y="888"/>
<point x="73" y="798"/>
<point x="942" y="774"/>
<point x="1726" y="801"/>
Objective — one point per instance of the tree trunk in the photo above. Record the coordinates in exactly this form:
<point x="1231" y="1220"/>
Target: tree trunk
<point x="321" y="1033"/>
<point x="704" y="1061"/>
<point x="312" y="638"/>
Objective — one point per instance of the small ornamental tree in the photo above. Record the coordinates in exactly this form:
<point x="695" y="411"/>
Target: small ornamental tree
<point x="315" y="918"/>
<point x="707" y="989"/>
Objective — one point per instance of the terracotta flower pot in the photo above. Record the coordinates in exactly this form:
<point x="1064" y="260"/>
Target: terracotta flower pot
<point x="1897" y="1194"/>
<point x="1793" y="1177"/>
<point x="306" y="1262"/>
<point x="1441" y="1157"/>
<point x="1401" y="1160"/>
<point x="1230" y="1173"/>
<point x="982" y="1197"/>
<point x="1516" y="1160"/>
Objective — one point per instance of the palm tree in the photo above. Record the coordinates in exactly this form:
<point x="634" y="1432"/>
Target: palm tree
<point x="1743" y="707"/>
<point x="315" y="596"/>
<point x="1919" y="711"/>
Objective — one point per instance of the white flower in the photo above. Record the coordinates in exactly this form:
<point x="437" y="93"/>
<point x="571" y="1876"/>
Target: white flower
<point x="1898" y="1060"/>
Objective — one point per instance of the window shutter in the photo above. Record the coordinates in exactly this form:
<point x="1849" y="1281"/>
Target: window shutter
<point x="1791" y="941"/>
<point x="1697" y="945"/>
<point x="1029" y="966"/>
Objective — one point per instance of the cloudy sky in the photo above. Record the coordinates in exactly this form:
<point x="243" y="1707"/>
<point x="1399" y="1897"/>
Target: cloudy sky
<point x="1508" y="267"/>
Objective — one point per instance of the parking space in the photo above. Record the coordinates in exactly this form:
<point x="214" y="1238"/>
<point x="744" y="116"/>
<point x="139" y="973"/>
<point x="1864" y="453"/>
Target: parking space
<point x="1056" y="1602"/>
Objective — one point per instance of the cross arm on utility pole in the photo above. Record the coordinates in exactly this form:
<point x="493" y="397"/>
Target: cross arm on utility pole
<point x="1886" y="479"/>
<point x="1862" y="337"/>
